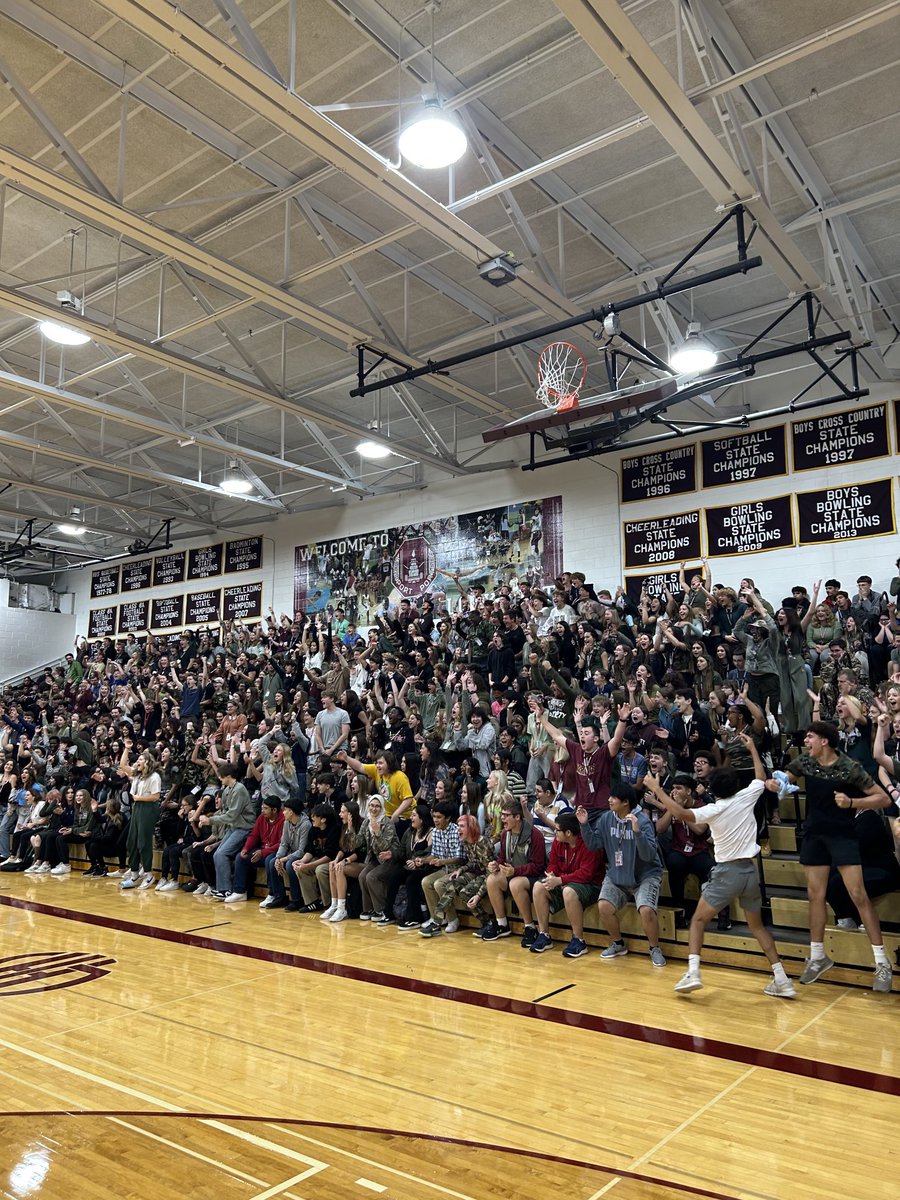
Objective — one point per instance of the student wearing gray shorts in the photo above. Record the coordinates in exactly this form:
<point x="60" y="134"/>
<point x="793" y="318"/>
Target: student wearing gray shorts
<point x="634" y="869"/>
<point x="734" y="877"/>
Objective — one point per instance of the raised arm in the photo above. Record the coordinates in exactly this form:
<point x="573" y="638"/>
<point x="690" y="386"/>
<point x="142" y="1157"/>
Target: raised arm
<point x="814" y="604"/>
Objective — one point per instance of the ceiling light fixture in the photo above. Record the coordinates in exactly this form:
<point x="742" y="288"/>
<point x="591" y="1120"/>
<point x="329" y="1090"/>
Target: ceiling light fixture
<point x="433" y="138"/>
<point x="74" y="525"/>
<point x="695" y="354"/>
<point x="63" y="335"/>
<point x="372" y="450"/>
<point x="56" y="331"/>
<point x="233" y="482"/>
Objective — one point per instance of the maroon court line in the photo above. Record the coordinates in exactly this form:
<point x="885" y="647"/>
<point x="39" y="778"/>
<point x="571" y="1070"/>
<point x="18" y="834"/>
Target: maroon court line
<point x="670" y="1039"/>
<point x="689" y="1189"/>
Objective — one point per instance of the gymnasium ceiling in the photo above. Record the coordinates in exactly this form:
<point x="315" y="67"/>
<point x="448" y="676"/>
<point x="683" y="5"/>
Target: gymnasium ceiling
<point x="233" y="244"/>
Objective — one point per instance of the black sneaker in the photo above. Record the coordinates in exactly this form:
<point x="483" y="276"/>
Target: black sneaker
<point x="529" y="936"/>
<point x="368" y="915"/>
<point x="308" y="908"/>
<point x="407" y="925"/>
<point x="191" y="885"/>
<point x="294" y="906"/>
<point x="385" y="920"/>
<point x="723" y="924"/>
<point x="494" y="932"/>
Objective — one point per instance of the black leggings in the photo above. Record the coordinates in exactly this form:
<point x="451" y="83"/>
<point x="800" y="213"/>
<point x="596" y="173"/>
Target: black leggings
<point x="415" y="897"/>
<point x="99" y="848"/>
<point x="203" y="866"/>
<point x="681" y="866"/>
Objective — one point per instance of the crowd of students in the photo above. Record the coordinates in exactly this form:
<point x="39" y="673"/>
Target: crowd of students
<point x="553" y="748"/>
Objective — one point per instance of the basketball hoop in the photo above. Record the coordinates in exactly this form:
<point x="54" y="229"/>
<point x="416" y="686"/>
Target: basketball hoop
<point x="561" y="373"/>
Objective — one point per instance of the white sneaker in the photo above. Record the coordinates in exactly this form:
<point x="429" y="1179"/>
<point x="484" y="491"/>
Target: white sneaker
<point x="453" y="926"/>
<point x="61" y="869"/>
<point x="689" y="982"/>
<point x="234" y="897"/>
<point x="162" y="885"/>
<point x="171" y="886"/>
<point x="339" y="914"/>
<point x="849" y="924"/>
<point x="784" y="988"/>
<point x="147" y="881"/>
<point x="32" y="870"/>
<point x="129" y="875"/>
<point x="329" y="911"/>
<point x="117" y="874"/>
<point x="268" y="902"/>
<point x="202" y="889"/>
<point x="43" y="869"/>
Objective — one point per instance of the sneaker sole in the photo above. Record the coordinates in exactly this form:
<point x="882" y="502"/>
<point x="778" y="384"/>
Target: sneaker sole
<point x="574" y="953"/>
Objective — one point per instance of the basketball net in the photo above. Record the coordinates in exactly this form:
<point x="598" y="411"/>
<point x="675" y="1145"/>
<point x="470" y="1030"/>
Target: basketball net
<point x="561" y="373"/>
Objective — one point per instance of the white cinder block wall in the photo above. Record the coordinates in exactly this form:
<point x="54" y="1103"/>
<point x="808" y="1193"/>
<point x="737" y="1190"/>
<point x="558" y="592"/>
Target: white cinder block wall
<point x="29" y="639"/>
<point x="592" y="525"/>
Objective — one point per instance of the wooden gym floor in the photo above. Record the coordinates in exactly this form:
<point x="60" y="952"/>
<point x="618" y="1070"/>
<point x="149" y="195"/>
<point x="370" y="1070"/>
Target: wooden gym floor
<point x="156" y="1045"/>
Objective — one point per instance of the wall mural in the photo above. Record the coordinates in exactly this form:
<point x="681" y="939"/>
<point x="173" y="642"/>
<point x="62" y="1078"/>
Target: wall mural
<point x="361" y="572"/>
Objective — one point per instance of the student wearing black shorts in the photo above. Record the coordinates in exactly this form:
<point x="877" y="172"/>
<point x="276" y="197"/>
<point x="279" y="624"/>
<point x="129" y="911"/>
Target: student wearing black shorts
<point x="836" y="786"/>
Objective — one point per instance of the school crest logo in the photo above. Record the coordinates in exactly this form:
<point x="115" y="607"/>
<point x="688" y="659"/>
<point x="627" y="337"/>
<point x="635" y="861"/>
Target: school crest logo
<point x="46" y="971"/>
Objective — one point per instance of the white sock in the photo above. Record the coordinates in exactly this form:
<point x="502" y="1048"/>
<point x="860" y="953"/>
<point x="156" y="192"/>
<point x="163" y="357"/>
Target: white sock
<point x="881" y="958"/>
<point x="341" y="905"/>
<point x="694" y="964"/>
<point x="816" y="950"/>
<point x="779" y="972"/>
<point x="502" y="922"/>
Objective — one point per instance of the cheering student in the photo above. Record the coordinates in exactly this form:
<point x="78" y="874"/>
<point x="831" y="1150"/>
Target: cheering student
<point x="732" y="823"/>
<point x="837" y="786"/>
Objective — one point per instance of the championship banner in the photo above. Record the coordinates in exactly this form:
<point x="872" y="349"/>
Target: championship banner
<point x="242" y="602"/>
<point x="659" y="540"/>
<point x="854" y="435"/>
<point x="360" y="572"/>
<point x="167" y="612"/>
<point x="760" y="454"/>
<point x="133" y="616"/>
<point x="663" y="473"/>
<point x="102" y="622"/>
<point x="204" y="561"/>
<point x="203" y="607"/>
<point x="737" y="529"/>
<point x="137" y="575"/>
<point x="104" y="582"/>
<point x="243" y="555"/>
<point x="658" y="583"/>
<point x="168" y="569"/>
<point x="841" y="514"/>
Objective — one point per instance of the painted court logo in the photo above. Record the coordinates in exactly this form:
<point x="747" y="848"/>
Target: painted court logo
<point x="22" y="974"/>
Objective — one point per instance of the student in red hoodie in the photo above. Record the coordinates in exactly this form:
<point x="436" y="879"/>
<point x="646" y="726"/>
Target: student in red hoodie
<point x="573" y="879"/>
<point x="262" y="844"/>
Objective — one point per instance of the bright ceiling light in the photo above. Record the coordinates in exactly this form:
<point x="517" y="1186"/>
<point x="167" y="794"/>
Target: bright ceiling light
<point x="695" y="354"/>
<point x="433" y="138"/>
<point x="63" y="335"/>
<point x="234" y="482"/>
<point x="74" y="525"/>
<point x="236" y="485"/>
<point x="372" y="450"/>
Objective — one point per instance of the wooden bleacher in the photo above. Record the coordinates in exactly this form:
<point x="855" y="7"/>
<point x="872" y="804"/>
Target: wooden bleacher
<point x="786" y="895"/>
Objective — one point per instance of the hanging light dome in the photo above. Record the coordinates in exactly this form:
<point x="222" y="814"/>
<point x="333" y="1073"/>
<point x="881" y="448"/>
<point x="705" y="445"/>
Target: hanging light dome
<point x="695" y="354"/>
<point x="433" y="138"/>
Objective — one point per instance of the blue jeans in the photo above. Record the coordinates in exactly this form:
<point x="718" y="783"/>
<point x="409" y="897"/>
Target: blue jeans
<point x="276" y="881"/>
<point x="245" y="871"/>
<point x="7" y="825"/>
<point x="224" y="857"/>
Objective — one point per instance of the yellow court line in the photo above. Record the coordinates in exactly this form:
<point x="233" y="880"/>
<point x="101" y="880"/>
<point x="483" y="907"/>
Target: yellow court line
<point x="371" y="1162"/>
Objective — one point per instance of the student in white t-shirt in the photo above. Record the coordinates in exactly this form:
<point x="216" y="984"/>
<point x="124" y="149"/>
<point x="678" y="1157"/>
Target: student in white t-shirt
<point x="735" y="876"/>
